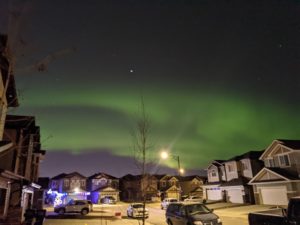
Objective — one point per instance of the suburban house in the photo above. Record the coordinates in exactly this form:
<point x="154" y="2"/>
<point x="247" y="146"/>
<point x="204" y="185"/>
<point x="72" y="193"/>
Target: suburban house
<point x="134" y="187"/>
<point x="101" y="185"/>
<point x="279" y="180"/>
<point x="20" y="151"/>
<point x="191" y="186"/>
<point x="22" y="161"/>
<point x="228" y="179"/>
<point x="239" y="170"/>
<point x="68" y="186"/>
<point x="215" y="177"/>
<point x="168" y="186"/>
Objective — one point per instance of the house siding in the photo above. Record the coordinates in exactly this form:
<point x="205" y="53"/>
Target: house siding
<point x="234" y="172"/>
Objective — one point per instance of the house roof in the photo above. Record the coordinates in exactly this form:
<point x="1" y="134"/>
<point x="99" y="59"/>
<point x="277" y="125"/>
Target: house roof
<point x="19" y="121"/>
<point x="294" y="144"/>
<point x="190" y="178"/>
<point x="59" y="176"/>
<point x="279" y="174"/>
<point x="247" y="155"/>
<point x="102" y="175"/>
<point x="74" y="174"/>
<point x="288" y="174"/>
<point x="130" y="177"/>
<point x="291" y="144"/>
<point x="106" y="187"/>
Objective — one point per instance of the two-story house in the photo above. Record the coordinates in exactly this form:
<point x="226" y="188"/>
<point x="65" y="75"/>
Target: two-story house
<point x="20" y="150"/>
<point x="279" y="180"/>
<point x="168" y="186"/>
<point x="138" y="187"/>
<point x="215" y="177"/>
<point x="69" y="186"/>
<point x="22" y="162"/>
<point x="101" y="185"/>
<point x="239" y="170"/>
<point x="191" y="185"/>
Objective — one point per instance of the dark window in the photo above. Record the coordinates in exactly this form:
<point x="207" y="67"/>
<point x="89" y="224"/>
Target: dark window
<point x="296" y="210"/>
<point x="173" y="208"/>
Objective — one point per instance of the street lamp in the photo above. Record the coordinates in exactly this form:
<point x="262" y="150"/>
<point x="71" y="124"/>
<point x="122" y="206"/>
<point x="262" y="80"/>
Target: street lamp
<point x="165" y="155"/>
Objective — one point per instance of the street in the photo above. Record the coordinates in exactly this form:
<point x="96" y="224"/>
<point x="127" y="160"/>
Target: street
<point x="105" y="215"/>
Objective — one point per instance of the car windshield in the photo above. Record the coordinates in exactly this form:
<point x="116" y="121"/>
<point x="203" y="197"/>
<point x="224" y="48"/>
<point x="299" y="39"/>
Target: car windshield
<point x="197" y="208"/>
<point x="137" y="206"/>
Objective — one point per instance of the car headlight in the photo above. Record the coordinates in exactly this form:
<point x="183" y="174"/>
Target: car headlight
<point x="198" y="223"/>
<point x="219" y="220"/>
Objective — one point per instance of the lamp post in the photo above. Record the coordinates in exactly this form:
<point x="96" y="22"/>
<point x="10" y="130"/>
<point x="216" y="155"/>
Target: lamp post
<point x="165" y="155"/>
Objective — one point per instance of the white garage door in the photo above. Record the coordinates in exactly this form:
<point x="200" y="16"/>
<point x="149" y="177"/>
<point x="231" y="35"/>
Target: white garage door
<point x="274" y="195"/>
<point x="214" y="194"/>
<point x="235" y="196"/>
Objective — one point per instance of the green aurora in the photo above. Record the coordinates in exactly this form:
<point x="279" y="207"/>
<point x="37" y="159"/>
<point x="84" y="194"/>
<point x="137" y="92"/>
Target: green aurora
<point x="199" y="126"/>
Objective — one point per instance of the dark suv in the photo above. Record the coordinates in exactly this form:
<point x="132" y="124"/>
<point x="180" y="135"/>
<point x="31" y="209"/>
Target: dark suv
<point x="190" y="213"/>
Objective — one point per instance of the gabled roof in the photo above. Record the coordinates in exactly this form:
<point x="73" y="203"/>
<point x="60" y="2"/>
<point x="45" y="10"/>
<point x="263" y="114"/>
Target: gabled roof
<point x="106" y="188"/>
<point x="290" y="144"/>
<point x="159" y="176"/>
<point x="70" y="175"/>
<point x="273" y="175"/>
<point x="130" y="177"/>
<point x="59" y="176"/>
<point x="172" y="188"/>
<point x="294" y="144"/>
<point x="216" y="163"/>
<point x="247" y="155"/>
<point x="190" y="178"/>
<point x="105" y="175"/>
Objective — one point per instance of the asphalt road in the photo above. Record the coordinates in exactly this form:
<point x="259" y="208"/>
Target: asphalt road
<point x="105" y="215"/>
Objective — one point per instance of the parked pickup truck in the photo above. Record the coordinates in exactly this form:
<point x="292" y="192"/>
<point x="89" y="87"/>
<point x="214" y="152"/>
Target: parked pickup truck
<point x="289" y="216"/>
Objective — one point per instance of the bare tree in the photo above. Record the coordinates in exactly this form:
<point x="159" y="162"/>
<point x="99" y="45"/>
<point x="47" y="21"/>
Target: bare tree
<point x="141" y="148"/>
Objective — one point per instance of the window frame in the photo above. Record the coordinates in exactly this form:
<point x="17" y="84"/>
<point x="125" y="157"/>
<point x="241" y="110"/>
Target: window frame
<point x="282" y="157"/>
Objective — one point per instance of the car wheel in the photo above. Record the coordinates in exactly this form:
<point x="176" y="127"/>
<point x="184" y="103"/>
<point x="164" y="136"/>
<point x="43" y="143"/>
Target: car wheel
<point x="61" y="211"/>
<point x="84" y="212"/>
<point x="169" y="222"/>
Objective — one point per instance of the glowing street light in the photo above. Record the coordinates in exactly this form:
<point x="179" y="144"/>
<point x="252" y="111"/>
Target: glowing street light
<point x="165" y="155"/>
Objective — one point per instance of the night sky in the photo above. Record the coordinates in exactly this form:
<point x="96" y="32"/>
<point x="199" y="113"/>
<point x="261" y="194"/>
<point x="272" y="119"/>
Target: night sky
<point x="218" y="78"/>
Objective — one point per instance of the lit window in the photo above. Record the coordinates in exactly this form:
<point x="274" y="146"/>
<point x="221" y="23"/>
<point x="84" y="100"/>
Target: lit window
<point x="66" y="183"/>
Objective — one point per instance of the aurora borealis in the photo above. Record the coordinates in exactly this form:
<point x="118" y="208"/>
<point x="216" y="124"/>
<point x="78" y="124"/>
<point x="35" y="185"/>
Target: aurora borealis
<point x="218" y="79"/>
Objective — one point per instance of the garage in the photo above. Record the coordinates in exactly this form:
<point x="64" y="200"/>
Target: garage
<point x="214" y="194"/>
<point x="274" y="195"/>
<point x="235" y="196"/>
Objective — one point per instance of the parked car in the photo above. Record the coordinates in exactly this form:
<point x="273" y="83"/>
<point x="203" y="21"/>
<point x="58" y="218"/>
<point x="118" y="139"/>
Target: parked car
<point x="289" y="216"/>
<point x="182" y="213"/>
<point x="135" y="210"/>
<point x="108" y="200"/>
<point x="75" y="206"/>
<point x="194" y="199"/>
<point x="164" y="204"/>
